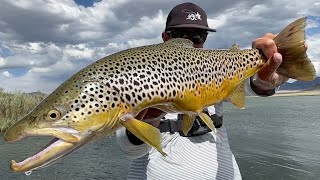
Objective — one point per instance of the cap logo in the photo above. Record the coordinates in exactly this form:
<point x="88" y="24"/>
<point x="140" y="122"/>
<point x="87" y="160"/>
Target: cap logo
<point x="192" y="15"/>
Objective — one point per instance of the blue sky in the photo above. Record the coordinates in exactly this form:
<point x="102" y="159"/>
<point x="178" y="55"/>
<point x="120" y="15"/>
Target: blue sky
<point x="42" y="43"/>
<point x="86" y="3"/>
<point x="313" y="30"/>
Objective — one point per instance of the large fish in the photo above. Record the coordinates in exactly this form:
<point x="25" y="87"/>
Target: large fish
<point x="171" y="76"/>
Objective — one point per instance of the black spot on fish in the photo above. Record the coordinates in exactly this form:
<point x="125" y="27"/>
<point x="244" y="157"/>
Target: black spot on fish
<point x="142" y="76"/>
<point x="136" y="83"/>
<point x="128" y="97"/>
<point x="121" y="81"/>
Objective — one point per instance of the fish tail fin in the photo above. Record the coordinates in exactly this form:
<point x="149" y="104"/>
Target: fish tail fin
<point x="291" y="45"/>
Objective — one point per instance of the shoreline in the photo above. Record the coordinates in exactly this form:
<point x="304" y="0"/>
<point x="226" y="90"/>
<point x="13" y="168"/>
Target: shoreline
<point x="292" y="93"/>
<point x="284" y="93"/>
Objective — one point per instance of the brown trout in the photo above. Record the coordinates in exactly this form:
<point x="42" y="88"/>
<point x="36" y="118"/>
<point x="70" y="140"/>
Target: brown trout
<point x="171" y="76"/>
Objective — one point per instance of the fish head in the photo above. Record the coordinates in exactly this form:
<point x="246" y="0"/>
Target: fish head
<point x="72" y="116"/>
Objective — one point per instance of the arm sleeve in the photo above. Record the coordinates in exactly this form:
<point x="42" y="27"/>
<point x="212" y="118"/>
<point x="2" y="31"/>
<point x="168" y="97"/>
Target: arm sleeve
<point x="130" y="150"/>
<point x="256" y="81"/>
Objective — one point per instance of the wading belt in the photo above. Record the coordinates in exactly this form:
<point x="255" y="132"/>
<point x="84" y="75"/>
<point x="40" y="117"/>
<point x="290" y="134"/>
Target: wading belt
<point x="198" y="127"/>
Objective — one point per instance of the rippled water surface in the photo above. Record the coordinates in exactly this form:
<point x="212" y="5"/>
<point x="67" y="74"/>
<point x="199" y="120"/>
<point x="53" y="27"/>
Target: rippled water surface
<point x="273" y="138"/>
<point x="276" y="138"/>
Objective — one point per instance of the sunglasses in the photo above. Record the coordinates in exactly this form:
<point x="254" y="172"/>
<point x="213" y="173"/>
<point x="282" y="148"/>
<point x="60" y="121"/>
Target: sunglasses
<point x="197" y="37"/>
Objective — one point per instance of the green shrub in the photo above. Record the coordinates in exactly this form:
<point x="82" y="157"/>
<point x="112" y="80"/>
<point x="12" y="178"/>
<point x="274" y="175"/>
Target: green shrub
<point x="14" y="106"/>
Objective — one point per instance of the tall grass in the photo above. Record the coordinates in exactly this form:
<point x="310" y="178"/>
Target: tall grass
<point x="14" y="106"/>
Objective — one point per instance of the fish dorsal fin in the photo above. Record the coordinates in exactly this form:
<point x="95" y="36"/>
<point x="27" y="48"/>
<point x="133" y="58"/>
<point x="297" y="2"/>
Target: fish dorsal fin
<point x="235" y="47"/>
<point x="237" y="98"/>
<point x="180" y="42"/>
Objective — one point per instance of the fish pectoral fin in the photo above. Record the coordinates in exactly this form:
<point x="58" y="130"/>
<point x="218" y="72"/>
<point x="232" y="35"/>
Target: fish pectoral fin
<point x="187" y="122"/>
<point x="145" y="132"/>
<point x="237" y="98"/>
<point x="207" y="120"/>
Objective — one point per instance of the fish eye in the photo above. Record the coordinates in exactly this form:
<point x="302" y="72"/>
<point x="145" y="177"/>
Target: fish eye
<point x="54" y="114"/>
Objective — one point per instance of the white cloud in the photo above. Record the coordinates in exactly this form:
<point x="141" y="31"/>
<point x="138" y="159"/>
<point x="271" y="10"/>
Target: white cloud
<point x="79" y="51"/>
<point x="2" y="63"/>
<point x="317" y="67"/>
<point x="6" y="74"/>
<point x="313" y="47"/>
<point x="28" y="55"/>
<point x="312" y="24"/>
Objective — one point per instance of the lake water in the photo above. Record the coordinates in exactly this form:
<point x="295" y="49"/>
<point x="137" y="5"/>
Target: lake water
<point x="273" y="138"/>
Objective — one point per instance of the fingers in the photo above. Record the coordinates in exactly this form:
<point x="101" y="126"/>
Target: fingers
<point x="306" y="46"/>
<point x="266" y="44"/>
<point x="270" y="35"/>
<point x="271" y="66"/>
<point x="155" y="123"/>
<point x="142" y="114"/>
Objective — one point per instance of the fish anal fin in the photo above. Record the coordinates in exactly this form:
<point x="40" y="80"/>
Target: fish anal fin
<point x="144" y="131"/>
<point x="237" y="97"/>
<point x="187" y="123"/>
<point x="207" y="120"/>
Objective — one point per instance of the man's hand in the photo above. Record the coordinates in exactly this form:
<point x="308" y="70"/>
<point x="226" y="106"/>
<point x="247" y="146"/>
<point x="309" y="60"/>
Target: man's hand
<point x="268" y="72"/>
<point x="151" y="116"/>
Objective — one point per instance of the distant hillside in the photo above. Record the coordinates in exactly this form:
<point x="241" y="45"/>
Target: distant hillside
<point x="14" y="106"/>
<point x="300" y="85"/>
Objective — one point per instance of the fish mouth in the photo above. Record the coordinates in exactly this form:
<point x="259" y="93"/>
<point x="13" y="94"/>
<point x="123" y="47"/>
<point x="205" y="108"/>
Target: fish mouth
<point x="59" y="147"/>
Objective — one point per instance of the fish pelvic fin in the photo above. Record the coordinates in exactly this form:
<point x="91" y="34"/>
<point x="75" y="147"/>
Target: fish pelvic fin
<point x="237" y="97"/>
<point x="144" y="131"/>
<point x="291" y="45"/>
<point x="207" y="120"/>
<point x="187" y="122"/>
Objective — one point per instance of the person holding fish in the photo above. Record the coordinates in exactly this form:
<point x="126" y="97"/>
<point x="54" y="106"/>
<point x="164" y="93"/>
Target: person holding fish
<point x="133" y="88"/>
<point x="202" y="153"/>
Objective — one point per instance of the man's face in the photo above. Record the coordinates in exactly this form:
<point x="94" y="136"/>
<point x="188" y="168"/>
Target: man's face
<point x="197" y="36"/>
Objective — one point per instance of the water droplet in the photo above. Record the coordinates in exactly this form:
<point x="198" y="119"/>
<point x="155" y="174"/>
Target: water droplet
<point x="28" y="173"/>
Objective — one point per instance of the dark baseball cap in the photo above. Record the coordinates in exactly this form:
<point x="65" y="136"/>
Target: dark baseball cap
<point x="188" y="15"/>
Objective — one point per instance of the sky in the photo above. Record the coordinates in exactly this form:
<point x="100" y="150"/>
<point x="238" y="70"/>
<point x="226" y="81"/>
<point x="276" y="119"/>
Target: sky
<point x="44" y="42"/>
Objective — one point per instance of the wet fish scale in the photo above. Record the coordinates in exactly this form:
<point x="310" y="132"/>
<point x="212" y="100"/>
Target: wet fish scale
<point x="138" y="75"/>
